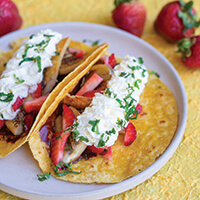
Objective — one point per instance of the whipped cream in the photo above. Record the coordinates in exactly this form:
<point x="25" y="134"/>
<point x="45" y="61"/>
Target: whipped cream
<point x="108" y="113"/>
<point x="25" y="69"/>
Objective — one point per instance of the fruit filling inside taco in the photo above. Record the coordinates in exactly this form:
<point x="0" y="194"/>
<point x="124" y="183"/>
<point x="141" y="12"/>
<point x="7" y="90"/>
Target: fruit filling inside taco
<point x="90" y="118"/>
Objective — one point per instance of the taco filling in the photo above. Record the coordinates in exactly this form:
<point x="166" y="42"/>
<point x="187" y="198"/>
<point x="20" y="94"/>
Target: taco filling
<point x="112" y="121"/>
<point x="29" y="77"/>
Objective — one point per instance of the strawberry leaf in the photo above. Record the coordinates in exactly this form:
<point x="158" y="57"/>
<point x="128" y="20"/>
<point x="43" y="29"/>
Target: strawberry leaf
<point x="118" y="2"/>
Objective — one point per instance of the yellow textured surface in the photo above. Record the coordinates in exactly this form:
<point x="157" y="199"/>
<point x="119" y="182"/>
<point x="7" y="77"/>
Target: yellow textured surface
<point x="180" y="177"/>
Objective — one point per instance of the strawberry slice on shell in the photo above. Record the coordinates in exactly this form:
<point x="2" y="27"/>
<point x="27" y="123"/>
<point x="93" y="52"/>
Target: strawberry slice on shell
<point x="130" y="134"/>
<point x="104" y="151"/>
<point x="78" y="53"/>
<point x="2" y="122"/>
<point x="92" y="93"/>
<point x="109" y="60"/>
<point x="59" y="138"/>
<point x="28" y="122"/>
<point x="19" y="101"/>
<point x="90" y="85"/>
<point x="34" y="105"/>
<point x="38" y="91"/>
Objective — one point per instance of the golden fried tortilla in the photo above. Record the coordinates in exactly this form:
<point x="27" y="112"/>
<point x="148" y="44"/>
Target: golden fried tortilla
<point x="155" y="126"/>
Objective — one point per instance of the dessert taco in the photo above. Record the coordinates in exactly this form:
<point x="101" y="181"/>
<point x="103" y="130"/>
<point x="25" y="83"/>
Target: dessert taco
<point x="31" y="80"/>
<point x="112" y="121"/>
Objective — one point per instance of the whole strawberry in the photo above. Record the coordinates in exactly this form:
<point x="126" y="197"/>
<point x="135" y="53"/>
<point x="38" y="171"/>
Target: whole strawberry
<point x="130" y="16"/>
<point x="10" y="19"/>
<point x="190" y="49"/>
<point x="176" y="20"/>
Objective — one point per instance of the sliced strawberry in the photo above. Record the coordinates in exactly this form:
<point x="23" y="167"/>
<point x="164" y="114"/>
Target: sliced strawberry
<point x="108" y="154"/>
<point x="109" y="60"/>
<point x="90" y="85"/>
<point x="92" y="93"/>
<point x="78" y="53"/>
<point x="2" y="122"/>
<point x="96" y="149"/>
<point x="68" y="117"/>
<point x="28" y="122"/>
<point x="139" y="108"/>
<point x="57" y="145"/>
<point x="130" y="134"/>
<point x="34" y="104"/>
<point x="38" y="91"/>
<point x="19" y="101"/>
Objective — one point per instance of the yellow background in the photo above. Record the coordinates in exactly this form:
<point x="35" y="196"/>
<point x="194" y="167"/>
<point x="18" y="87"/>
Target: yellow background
<point x="180" y="177"/>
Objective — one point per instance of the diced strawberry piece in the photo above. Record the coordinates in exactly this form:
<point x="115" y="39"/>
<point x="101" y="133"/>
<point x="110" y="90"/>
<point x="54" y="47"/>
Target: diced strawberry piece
<point x="34" y="105"/>
<point x="38" y="91"/>
<point x="90" y="85"/>
<point x="108" y="154"/>
<point x="28" y="122"/>
<point x="139" y="108"/>
<point x="96" y="149"/>
<point x="68" y="117"/>
<point x="19" y="101"/>
<point x="2" y="122"/>
<point x="57" y="145"/>
<point x="130" y="134"/>
<point x="109" y="60"/>
<point x="78" y="53"/>
<point x="92" y="93"/>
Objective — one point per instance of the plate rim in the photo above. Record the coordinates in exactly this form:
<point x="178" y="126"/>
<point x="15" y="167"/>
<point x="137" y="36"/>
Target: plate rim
<point x="162" y="160"/>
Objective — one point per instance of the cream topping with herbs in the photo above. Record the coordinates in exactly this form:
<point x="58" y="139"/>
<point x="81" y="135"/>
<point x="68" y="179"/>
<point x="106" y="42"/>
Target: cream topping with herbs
<point x="25" y="70"/>
<point x="100" y="123"/>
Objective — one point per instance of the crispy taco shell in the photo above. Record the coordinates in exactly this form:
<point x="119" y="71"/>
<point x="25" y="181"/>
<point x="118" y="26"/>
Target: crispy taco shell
<point x="155" y="126"/>
<point x="10" y="142"/>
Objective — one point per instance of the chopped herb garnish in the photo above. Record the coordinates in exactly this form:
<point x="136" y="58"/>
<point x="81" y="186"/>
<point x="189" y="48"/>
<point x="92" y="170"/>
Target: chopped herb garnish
<point x="58" y="137"/>
<point x="64" y="172"/>
<point x="57" y="53"/>
<point x="83" y="139"/>
<point x="101" y="142"/>
<point x="143" y="72"/>
<point x="110" y="132"/>
<point x="94" y="124"/>
<point x="121" y="123"/>
<point x="43" y="177"/>
<point x="75" y="134"/>
<point x="6" y="97"/>
<point x="155" y="73"/>
<point x="28" y="59"/>
<point x="68" y="148"/>
<point x="140" y="60"/>
<point x="18" y="80"/>
<point x="136" y="83"/>
<point x="93" y="43"/>
<point x="49" y="35"/>
<point x="32" y="36"/>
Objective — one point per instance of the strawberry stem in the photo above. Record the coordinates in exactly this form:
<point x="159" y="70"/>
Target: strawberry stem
<point x="189" y="19"/>
<point x="118" y="2"/>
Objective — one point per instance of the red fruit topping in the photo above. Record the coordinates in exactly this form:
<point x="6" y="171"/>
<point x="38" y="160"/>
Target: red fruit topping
<point x="57" y="145"/>
<point x="19" y="101"/>
<point x="10" y="19"/>
<point x="34" y="105"/>
<point x="176" y="20"/>
<point x="78" y="53"/>
<point x="92" y="93"/>
<point x="108" y="154"/>
<point x="190" y="49"/>
<point x="90" y="85"/>
<point x="38" y="91"/>
<point x="139" y="108"/>
<point x="130" y="134"/>
<point x="96" y="149"/>
<point x="28" y="122"/>
<point x="109" y="60"/>
<point x="130" y="17"/>
<point x="68" y="117"/>
<point x="2" y="122"/>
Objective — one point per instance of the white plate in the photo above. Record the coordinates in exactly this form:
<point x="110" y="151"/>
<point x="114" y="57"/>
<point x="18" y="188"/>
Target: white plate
<point x="18" y="170"/>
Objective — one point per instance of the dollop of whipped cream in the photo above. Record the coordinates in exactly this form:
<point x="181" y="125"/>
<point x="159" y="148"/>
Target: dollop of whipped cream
<point x="108" y="113"/>
<point x="25" y="69"/>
